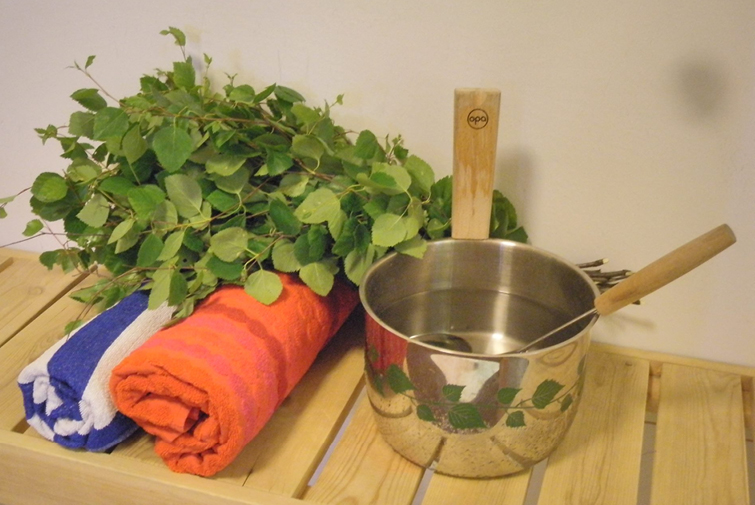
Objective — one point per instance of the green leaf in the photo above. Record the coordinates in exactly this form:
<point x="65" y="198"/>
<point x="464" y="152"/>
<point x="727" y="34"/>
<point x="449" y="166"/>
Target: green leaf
<point x="177" y="34"/>
<point x="110" y="122"/>
<point x="89" y="98"/>
<point x="264" y="286"/>
<point x="452" y="392"/>
<point x="566" y="403"/>
<point x="277" y="163"/>
<point x="415" y="247"/>
<point x="160" y="289"/>
<point x="506" y="395"/>
<point x="134" y="146"/>
<point x="173" y="146"/>
<point x="49" y="258"/>
<point x="49" y="187"/>
<point x="284" y="258"/>
<point x="515" y="419"/>
<point x="116" y="185"/>
<point x="178" y="289"/>
<point x="185" y="193"/>
<point x="357" y="262"/>
<point x="145" y="199"/>
<point x="32" y="228"/>
<point x="3" y="213"/>
<point x="184" y="75"/>
<point x="287" y="94"/>
<point x="283" y="218"/>
<point x="388" y="230"/>
<point x="421" y="173"/>
<point x="318" y="277"/>
<point x="368" y="148"/>
<point x="319" y="206"/>
<point x="222" y="201"/>
<point x="391" y="179"/>
<point x="83" y="170"/>
<point x="129" y="240"/>
<point x="71" y="326"/>
<point x="233" y="183"/>
<point x="293" y="185"/>
<point x="95" y="211"/>
<point x="90" y="60"/>
<point x="398" y="381"/>
<point x="243" y="93"/>
<point x="224" y="270"/>
<point x="149" y="251"/>
<point x="229" y="243"/>
<point x="425" y="413"/>
<point x="545" y="393"/>
<point x="465" y="416"/>
<point x="224" y="165"/>
<point x="121" y="230"/>
<point x="304" y="114"/>
<point x="81" y="124"/>
<point x="165" y="216"/>
<point x="307" y="146"/>
<point x="172" y="245"/>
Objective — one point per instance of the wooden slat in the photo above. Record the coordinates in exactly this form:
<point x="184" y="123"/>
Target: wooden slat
<point x="700" y="441"/>
<point x="24" y="347"/>
<point x="5" y="261"/>
<point x="37" y="472"/>
<point x="599" y="459"/>
<point x="363" y="469"/>
<point x="26" y="289"/>
<point x="508" y="490"/>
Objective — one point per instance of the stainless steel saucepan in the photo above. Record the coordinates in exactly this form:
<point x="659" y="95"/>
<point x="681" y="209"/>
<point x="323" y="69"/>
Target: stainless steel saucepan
<point x="444" y="393"/>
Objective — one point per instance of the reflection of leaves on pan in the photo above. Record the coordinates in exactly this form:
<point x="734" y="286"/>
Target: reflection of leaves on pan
<point x="545" y="393"/>
<point x="467" y="416"/>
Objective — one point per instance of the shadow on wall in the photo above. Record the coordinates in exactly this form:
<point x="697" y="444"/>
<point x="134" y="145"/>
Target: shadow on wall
<point x="703" y="88"/>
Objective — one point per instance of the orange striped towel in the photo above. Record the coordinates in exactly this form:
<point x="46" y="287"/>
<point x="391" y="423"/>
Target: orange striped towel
<point x="206" y="386"/>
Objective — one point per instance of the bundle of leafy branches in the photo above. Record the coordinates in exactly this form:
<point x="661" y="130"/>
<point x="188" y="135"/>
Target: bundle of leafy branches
<point x="182" y="188"/>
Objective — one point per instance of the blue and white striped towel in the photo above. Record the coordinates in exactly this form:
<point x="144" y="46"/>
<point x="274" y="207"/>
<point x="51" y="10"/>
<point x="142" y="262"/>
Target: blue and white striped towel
<point x="65" y="390"/>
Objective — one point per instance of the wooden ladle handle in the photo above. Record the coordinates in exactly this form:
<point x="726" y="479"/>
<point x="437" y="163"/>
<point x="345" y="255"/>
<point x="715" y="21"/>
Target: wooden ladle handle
<point x="475" y="141"/>
<point x="666" y="269"/>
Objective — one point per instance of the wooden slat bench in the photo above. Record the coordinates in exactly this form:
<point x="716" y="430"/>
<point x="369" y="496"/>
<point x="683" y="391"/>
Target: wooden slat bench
<point x="322" y="445"/>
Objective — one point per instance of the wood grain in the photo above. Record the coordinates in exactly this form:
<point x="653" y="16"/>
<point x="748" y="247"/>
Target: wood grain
<point x="700" y="439"/>
<point x="508" y="490"/>
<point x="599" y="459"/>
<point x="475" y="141"/>
<point x="666" y="269"/>
<point x="363" y="468"/>
<point x="27" y="288"/>
<point x="38" y="472"/>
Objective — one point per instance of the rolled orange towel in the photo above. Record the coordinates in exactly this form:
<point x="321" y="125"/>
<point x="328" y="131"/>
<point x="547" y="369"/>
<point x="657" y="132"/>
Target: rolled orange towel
<point x="206" y="386"/>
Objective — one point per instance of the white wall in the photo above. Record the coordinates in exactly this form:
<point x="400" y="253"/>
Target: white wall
<point x="627" y="128"/>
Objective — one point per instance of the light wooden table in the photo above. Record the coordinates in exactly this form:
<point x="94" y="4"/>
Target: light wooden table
<point x="702" y="413"/>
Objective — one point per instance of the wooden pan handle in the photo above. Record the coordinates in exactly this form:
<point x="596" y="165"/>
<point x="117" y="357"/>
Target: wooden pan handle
<point x="666" y="269"/>
<point x="475" y="141"/>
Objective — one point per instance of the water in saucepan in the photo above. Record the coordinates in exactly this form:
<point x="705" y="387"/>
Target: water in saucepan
<point x="477" y="321"/>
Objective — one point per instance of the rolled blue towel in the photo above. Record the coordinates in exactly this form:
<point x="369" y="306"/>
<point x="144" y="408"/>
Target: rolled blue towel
<point x="65" y="390"/>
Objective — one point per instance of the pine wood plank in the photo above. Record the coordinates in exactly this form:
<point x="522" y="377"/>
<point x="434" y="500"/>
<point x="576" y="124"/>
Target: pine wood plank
<point x="363" y="469"/>
<point x="27" y="288"/>
<point x="26" y="346"/>
<point x="508" y="490"/>
<point x="5" y="261"/>
<point x="599" y="459"/>
<point x="700" y="440"/>
<point x="37" y="472"/>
